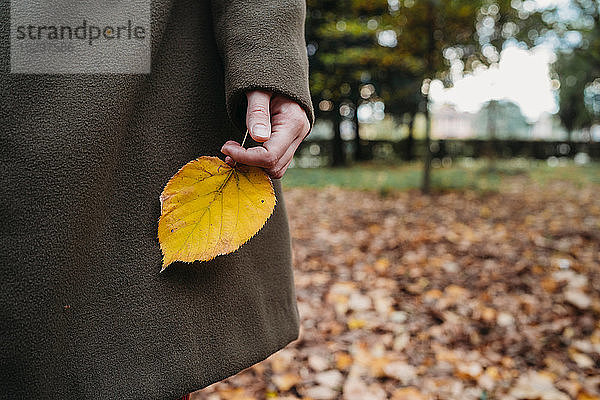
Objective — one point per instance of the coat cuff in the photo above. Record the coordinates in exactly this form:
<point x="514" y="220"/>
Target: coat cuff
<point x="262" y="46"/>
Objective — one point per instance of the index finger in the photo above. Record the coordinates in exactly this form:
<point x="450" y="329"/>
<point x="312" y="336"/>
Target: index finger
<point x="257" y="156"/>
<point x="265" y="156"/>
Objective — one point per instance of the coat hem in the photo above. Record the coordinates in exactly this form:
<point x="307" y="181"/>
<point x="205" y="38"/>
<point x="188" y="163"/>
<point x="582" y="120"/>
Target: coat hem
<point x="230" y="372"/>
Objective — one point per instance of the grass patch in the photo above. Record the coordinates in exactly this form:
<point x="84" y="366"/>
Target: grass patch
<point x="468" y="174"/>
<point x="581" y="175"/>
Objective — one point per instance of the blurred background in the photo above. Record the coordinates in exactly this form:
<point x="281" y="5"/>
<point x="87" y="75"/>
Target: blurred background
<point x="445" y="209"/>
<point x="389" y="76"/>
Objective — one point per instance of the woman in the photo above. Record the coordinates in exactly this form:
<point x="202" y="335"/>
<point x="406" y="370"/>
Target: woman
<point x="85" y="311"/>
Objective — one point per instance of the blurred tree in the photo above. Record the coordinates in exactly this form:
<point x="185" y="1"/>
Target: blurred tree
<point x="574" y="74"/>
<point x="338" y="44"/>
<point x="399" y="47"/>
<point x="435" y="39"/>
<point x="417" y="32"/>
<point x="400" y="89"/>
<point x="578" y="62"/>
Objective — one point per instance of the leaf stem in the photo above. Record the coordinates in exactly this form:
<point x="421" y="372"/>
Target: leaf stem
<point x="245" y="136"/>
<point x="243" y="142"/>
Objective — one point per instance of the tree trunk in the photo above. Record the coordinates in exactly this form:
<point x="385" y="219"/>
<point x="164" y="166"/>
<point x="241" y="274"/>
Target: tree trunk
<point x="358" y="153"/>
<point x="426" y="184"/>
<point x="409" y="154"/>
<point x="492" y="128"/>
<point x="338" y="156"/>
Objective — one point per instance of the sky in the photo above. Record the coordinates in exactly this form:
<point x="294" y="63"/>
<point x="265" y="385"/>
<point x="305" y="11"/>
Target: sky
<point x="522" y="76"/>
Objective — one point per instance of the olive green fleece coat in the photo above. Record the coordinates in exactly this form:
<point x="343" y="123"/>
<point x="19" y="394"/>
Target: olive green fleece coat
<point x="85" y="313"/>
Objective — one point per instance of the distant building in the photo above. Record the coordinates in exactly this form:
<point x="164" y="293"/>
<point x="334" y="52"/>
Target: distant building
<point x="449" y="123"/>
<point x="504" y="117"/>
<point x="501" y="119"/>
<point x="595" y="132"/>
<point x="548" y="127"/>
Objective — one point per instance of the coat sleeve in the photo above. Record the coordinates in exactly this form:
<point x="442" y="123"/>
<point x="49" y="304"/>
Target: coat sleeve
<point x="262" y="46"/>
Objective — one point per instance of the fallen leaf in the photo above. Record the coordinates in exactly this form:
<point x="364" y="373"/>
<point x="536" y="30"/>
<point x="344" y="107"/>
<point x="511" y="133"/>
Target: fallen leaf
<point x="468" y="370"/>
<point x="505" y="319"/>
<point x="235" y="394"/>
<point x="356" y="389"/>
<point x="569" y="386"/>
<point x="408" y="393"/>
<point x="401" y="371"/>
<point x="356" y="323"/>
<point x="578" y="298"/>
<point x="280" y="361"/>
<point x="549" y="284"/>
<point x="320" y="393"/>
<point x="332" y="379"/>
<point x="209" y="208"/>
<point x="376" y="366"/>
<point x="343" y="361"/>
<point x="586" y="396"/>
<point x="317" y="362"/>
<point x="401" y="341"/>
<point x="536" y="385"/>
<point x="284" y="382"/>
<point x="359" y="302"/>
<point x="446" y="332"/>
<point x="582" y="360"/>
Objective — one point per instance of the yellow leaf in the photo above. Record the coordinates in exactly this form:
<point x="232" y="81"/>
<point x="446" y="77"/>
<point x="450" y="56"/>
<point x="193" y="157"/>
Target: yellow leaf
<point x="343" y="361"/>
<point x="355" y="323"/>
<point x="209" y="208"/>
<point x="586" y="396"/>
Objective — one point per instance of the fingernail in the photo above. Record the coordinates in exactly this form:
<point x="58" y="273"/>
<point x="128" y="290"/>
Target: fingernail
<point x="261" y="131"/>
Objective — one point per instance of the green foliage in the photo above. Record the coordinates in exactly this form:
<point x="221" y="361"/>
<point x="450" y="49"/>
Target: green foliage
<point x="430" y="35"/>
<point x="397" y="47"/>
<point x="574" y="76"/>
<point x="578" y="65"/>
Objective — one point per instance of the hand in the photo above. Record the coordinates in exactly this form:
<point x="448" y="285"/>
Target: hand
<point x="277" y="122"/>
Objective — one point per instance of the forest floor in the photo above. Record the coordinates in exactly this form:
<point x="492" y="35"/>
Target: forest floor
<point x="467" y="293"/>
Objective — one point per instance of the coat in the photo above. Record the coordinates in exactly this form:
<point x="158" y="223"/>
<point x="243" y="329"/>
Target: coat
<point x="85" y="312"/>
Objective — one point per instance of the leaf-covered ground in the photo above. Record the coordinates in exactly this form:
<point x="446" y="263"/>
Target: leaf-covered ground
<point x="458" y="295"/>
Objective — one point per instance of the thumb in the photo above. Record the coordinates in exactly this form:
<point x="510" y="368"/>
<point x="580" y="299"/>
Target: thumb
<point x="258" y="119"/>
